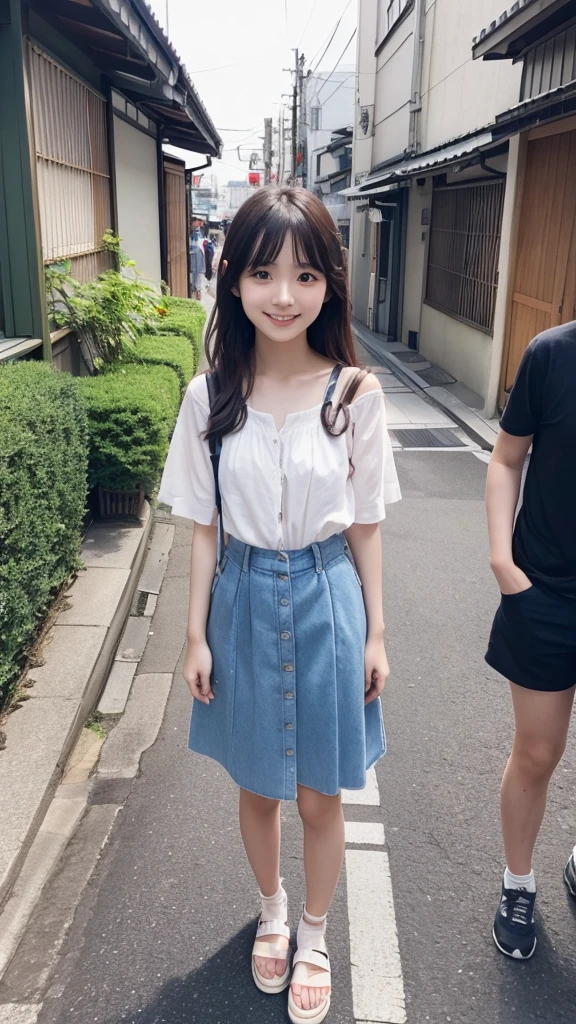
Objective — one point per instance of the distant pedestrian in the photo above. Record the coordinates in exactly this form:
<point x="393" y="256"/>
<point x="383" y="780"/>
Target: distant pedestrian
<point x="197" y="267"/>
<point x="208" y="257"/>
<point x="286" y="658"/>
<point x="533" y="640"/>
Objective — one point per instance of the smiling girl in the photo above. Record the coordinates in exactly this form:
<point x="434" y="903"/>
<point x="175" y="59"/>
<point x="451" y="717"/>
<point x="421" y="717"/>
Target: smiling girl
<point x="285" y="656"/>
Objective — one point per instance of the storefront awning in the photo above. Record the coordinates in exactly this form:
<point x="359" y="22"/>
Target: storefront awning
<point x="393" y="177"/>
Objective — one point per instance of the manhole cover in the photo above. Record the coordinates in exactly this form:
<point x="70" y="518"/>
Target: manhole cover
<point x="425" y="438"/>
<point x="436" y="376"/>
<point x="409" y="357"/>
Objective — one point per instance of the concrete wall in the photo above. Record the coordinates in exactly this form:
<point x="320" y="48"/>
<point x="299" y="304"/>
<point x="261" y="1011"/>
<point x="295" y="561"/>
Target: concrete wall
<point x="415" y="263"/>
<point x="137" y="198"/>
<point x="460" y="94"/>
<point x="462" y="350"/>
<point x="362" y="155"/>
<point x="392" y="103"/>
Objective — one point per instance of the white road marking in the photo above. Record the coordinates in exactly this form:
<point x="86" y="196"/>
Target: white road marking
<point x="377" y="985"/>
<point x="370" y="832"/>
<point x="368" y="795"/>
<point x="19" y="1013"/>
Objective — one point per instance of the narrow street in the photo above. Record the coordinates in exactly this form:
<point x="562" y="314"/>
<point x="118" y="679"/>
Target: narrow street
<point x="163" y="931"/>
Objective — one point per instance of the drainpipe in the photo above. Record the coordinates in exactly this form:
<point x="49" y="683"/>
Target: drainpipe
<point x="414" y="140"/>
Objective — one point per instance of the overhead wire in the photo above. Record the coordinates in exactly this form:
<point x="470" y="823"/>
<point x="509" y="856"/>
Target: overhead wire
<point x="307" y="23"/>
<point x="336" y="27"/>
<point x="336" y="65"/>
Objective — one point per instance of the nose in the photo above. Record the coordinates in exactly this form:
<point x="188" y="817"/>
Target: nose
<point x="283" y="295"/>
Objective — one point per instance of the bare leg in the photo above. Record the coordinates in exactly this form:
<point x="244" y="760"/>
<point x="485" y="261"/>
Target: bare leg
<point x="541" y="728"/>
<point x="323" y="857"/>
<point x="260" y="828"/>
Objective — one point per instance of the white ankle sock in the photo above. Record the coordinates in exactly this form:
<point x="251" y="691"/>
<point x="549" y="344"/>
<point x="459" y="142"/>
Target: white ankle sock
<point x="309" y="930"/>
<point x="274" y="907"/>
<point x="527" y="882"/>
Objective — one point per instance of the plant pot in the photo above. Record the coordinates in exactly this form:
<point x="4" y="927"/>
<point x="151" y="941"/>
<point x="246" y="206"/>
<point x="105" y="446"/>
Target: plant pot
<point x="120" y="504"/>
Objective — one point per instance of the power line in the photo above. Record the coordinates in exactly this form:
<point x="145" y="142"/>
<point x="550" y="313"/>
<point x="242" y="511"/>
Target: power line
<point x="337" y="63"/>
<point x="307" y="23"/>
<point x="333" y="34"/>
<point x="336" y="90"/>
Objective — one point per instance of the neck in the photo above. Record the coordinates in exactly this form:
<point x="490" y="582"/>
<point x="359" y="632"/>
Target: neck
<point x="283" y="359"/>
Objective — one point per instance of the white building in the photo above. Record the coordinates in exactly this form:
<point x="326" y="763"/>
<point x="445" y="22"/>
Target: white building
<point x="329" y="107"/>
<point x="455" y="186"/>
<point x="237" y="193"/>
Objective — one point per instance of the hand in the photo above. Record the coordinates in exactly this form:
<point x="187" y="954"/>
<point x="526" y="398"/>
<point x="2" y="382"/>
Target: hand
<point x="376" y="669"/>
<point x="511" y="579"/>
<point x="197" y="669"/>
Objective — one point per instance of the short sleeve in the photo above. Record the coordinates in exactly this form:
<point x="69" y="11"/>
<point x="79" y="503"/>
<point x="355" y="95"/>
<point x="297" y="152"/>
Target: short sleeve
<point x="188" y="481"/>
<point x="524" y="410"/>
<point x="374" y="479"/>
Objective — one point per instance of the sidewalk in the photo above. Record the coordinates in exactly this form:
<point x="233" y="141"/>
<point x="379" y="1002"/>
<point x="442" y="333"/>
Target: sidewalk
<point x="452" y="398"/>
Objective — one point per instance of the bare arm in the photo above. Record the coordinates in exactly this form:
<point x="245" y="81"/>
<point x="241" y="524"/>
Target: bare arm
<point x="198" y="661"/>
<point x="365" y="542"/>
<point x="366" y="545"/>
<point x="502" y="493"/>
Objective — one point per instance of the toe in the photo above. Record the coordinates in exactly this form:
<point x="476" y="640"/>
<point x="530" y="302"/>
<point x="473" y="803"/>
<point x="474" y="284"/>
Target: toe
<point x="297" y="995"/>
<point x="280" y="968"/>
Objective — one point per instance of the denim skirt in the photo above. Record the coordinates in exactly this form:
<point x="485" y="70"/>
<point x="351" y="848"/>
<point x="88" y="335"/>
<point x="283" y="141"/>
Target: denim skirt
<point x="287" y="631"/>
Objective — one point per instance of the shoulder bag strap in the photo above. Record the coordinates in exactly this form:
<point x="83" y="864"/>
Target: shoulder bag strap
<point x="215" y="445"/>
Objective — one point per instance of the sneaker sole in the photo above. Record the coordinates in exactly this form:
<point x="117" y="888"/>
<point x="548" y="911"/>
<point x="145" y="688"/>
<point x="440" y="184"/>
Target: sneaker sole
<point x="569" y="884"/>
<point x="513" y="956"/>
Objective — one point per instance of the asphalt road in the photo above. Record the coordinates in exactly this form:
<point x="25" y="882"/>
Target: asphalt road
<point x="163" y="932"/>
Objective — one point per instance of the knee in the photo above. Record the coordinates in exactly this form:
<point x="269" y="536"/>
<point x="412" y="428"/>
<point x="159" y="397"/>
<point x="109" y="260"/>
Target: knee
<point x="316" y="809"/>
<point x="539" y="759"/>
<point x="259" y="805"/>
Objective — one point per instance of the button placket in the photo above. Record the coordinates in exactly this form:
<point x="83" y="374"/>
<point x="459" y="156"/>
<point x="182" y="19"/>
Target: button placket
<point x="287" y="667"/>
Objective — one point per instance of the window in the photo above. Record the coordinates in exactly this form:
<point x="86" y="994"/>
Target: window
<point x="315" y="118"/>
<point x="389" y="12"/>
<point x="319" y="165"/>
<point x="463" y="253"/>
<point x="72" y="166"/>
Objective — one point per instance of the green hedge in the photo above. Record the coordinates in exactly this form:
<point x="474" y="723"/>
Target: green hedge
<point x="131" y="413"/>
<point x="186" y="317"/>
<point x="43" y="459"/>
<point x="169" y="350"/>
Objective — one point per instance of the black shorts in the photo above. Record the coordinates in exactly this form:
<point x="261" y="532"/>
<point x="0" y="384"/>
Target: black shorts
<point x="533" y="640"/>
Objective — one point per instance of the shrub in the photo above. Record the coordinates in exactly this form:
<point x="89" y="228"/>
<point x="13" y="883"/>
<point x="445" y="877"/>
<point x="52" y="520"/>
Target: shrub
<point x="43" y="460"/>
<point x="185" y="317"/>
<point x="169" y="350"/>
<point x="108" y="314"/>
<point x="131" y="412"/>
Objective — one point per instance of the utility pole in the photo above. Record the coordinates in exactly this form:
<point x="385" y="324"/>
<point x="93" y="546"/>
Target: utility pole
<point x="267" y="149"/>
<point x="295" y="118"/>
<point x="302" y="134"/>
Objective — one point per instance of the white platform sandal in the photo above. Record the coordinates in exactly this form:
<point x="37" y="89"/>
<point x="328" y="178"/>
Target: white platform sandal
<point x="272" y="922"/>
<point x="311" y="951"/>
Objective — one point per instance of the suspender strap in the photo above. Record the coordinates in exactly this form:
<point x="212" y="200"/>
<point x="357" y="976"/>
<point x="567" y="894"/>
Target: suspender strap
<point x="215" y="445"/>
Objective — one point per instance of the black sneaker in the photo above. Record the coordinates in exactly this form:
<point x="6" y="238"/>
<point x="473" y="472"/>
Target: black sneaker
<point x="570" y="875"/>
<point x="514" y="929"/>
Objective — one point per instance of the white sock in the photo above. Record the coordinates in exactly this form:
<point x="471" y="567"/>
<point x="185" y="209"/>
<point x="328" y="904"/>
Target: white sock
<point x="527" y="882"/>
<point x="274" y="907"/>
<point x="309" y="929"/>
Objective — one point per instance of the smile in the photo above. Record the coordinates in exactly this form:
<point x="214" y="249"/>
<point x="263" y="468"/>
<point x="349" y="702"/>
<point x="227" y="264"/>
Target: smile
<point x="282" y="319"/>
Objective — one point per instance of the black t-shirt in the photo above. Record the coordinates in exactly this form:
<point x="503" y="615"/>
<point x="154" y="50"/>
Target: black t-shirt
<point x="543" y="403"/>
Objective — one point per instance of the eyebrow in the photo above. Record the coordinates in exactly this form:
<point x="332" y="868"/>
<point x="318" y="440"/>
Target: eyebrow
<point x="301" y="266"/>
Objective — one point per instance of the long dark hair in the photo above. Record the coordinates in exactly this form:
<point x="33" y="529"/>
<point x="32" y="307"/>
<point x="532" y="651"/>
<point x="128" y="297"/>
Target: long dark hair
<point x="254" y="240"/>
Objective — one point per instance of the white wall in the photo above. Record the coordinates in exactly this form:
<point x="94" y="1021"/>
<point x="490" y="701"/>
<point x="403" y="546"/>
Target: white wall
<point x="137" y="198"/>
<point x="460" y="94"/>
<point x="393" y="80"/>
<point x="336" y="98"/>
<point x="462" y="350"/>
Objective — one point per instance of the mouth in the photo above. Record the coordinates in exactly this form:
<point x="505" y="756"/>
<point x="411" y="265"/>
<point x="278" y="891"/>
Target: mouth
<point x="282" y="321"/>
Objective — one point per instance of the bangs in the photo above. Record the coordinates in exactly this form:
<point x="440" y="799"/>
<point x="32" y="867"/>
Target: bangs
<point x="308" y="245"/>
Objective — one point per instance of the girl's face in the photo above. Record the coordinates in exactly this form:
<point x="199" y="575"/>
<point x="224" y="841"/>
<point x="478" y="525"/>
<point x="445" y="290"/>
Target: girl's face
<point x="282" y="299"/>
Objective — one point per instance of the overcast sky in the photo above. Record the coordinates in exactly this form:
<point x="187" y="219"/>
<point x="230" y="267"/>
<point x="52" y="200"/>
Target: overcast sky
<point x="235" y="54"/>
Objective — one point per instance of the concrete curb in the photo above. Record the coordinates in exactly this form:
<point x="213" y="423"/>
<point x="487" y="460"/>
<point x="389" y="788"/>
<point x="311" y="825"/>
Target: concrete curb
<point x="475" y="426"/>
<point x="79" y="652"/>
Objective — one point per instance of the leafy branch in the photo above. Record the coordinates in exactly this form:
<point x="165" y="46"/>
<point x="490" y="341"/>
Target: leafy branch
<point x="108" y="314"/>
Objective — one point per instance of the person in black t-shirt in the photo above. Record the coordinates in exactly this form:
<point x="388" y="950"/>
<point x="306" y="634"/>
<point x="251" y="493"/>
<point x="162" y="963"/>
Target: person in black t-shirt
<point x="533" y="639"/>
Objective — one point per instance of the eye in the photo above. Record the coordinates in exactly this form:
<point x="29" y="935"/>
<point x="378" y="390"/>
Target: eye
<point x="306" y="277"/>
<point x="261" y="275"/>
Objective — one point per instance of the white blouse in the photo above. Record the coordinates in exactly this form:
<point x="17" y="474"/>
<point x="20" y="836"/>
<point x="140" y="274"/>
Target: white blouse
<point x="282" y="489"/>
